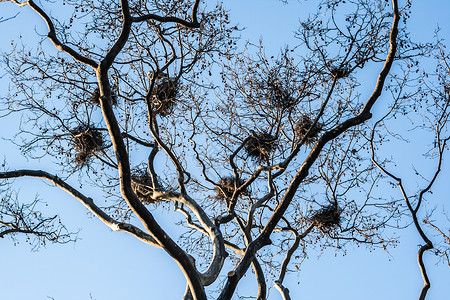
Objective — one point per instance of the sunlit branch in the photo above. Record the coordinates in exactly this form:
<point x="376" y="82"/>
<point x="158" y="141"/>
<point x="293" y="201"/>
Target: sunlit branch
<point x="52" y="35"/>
<point x="86" y="201"/>
<point x="303" y="171"/>
<point x="260" y="279"/>
<point x="121" y="40"/>
<point x="190" y="24"/>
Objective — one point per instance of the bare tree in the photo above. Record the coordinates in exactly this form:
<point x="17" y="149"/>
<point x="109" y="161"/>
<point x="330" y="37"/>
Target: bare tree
<point x="261" y="165"/>
<point x="433" y="120"/>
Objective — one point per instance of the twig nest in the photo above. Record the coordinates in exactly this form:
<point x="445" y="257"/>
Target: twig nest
<point x="260" y="145"/>
<point x="227" y="187"/>
<point x="277" y="94"/>
<point x="164" y="96"/>
<point x="339" y="72"/>
<point x="95" y="97"/>
<point x="327" y="218"/>
<point x="304" y="124"/>
<point x="142" y="185"/>
<point x="86" y="141"/>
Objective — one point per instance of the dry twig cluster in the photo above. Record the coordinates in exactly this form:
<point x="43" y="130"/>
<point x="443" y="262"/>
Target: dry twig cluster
<point x="339" y="72"/>
<point x="86" y="141"/>
<point x="164" y="96"/>
<point x="304" y="125"/>
<point x="142" y="185"/>
<point x="327" y="218"/>
<point x="260" y="145"/>
<point x="95" y="97"/>
<point x="277" y="93"/>
<point x="227" y="187"/>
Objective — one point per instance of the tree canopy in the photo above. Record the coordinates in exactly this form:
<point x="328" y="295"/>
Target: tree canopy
<point x="137" y="107"/>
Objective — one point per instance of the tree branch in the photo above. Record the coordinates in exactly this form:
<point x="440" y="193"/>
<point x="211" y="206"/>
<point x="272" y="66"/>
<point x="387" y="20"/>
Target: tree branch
<point x="54" y="39"/>
<point x="190" y="24"/>
<point x="86" y="201"/>
<point x="303" y="171"/>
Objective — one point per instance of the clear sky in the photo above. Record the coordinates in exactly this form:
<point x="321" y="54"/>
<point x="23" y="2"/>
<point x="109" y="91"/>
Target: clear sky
<point x="108" y="265"/>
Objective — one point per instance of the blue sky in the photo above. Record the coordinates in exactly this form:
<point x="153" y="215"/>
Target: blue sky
<point x="108" y="265"/>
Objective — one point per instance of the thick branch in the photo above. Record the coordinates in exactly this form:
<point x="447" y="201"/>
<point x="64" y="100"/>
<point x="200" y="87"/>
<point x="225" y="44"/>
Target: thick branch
<point x="302" y="173"/>
<point x="260" y="279"/>
<point x="86" y="201"/>
<point x="179" y="255"/>
<point x="190" y="24"/>
<point x="213" y="232"/>
<point x="122" y="39"/>
<point x="423" y="270"/>
<point x="54" y="39"/>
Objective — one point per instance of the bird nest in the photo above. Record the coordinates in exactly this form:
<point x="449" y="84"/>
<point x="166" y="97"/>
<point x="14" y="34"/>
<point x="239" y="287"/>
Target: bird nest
<point x="86" y="141"/>
<point x="327" y="218"/>
<point x="340" y="72"/>
<point x="142" y="185"/>
<point x="95" y="97"/>
<point x="278" y="95"/>
<point x="260" y="145"/>
<point x="227" y="187"/>
<point x="164" y="96"/>
<point x="304" y="125"/>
